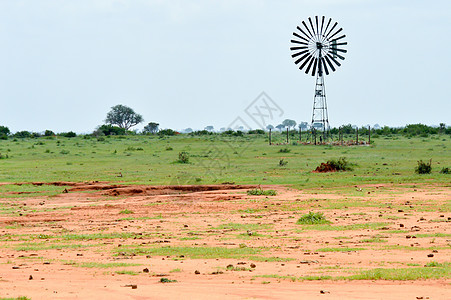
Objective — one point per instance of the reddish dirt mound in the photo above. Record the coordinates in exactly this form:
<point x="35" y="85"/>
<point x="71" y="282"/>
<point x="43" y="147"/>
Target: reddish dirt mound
<point x="325" y="167"/>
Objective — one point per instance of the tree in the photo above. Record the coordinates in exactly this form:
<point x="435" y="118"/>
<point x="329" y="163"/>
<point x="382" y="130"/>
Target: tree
<point x="123" y="116"/>
<point x="280" y="127"/>
<point x="152" y="127"/>
<point x="209" y="128"/>
<point x="4" y="130"/>
<point x="289" y="123"/>
<point x="303" y="125"/>
<point x="270" y="127"/>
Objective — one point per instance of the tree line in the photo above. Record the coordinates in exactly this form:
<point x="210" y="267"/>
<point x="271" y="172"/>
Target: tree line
<point x="120" y="119"/>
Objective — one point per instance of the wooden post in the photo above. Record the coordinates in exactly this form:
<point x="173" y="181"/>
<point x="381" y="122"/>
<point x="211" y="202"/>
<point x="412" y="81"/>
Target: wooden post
<point x="287" y="135"/>
<point x="369" y="135"/>
<point x="270" y="136"/>
<point x="300" y="134"/>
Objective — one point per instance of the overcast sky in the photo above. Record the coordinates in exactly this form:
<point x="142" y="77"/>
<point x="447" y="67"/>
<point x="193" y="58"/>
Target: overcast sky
<point x="181" y="63"/>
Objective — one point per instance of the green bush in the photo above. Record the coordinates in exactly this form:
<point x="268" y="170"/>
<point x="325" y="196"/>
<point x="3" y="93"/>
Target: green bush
<point x="282" y="163"/>
<point x="424" y="167"/>
<point x="183" y="157"/>
<point x="259" y="192"/>
<point x="4" y="130"/>
<point x="111" y="130"/>
<point x="22" y="134"/>
<point x="284" y="150"/>
<point x="69" y="134"/>
<point x="445" y="171"/>
<point x="313" y="218"/>
<point x="49" y="133"/>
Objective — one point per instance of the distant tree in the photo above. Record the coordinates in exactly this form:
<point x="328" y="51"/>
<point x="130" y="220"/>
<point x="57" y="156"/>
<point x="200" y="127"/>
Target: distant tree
<point x="22" y="134"/>
<point x="123" y="116"/>
<point x="289" y="123"/>
<point x="209" y="128"/>
<point x="188" y="130"/>
<point x="269" y="127"/>
<point x="152" y="127"/>
<point x="4" y="130"/>
<point x="49" y="133"/>
<point x="167" y="132"/>
<point x="303" y="125"/>
<point x="377" y="126"/>
<point x="222" y="129"/>
<point x="280" y="127"/>
<point x="442" y="127"/>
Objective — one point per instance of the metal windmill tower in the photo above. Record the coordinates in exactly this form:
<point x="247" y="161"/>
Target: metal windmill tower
<point x="316" y="48"/>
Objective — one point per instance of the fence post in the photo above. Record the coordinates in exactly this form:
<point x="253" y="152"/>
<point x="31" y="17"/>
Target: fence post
<point x="300" y="134"/>
<point x="270" y="136"/>
<point x="369" y="134"/>
<point x="287" y="135"/>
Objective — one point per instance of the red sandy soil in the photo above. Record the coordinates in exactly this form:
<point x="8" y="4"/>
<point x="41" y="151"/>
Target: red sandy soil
<point x="173" y="215"/>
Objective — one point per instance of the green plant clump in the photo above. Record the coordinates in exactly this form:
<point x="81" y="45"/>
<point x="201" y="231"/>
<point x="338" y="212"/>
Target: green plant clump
<point x="167" y="280"/>
<point x="423" y="167"/>
<point x="259" y="192"/>
<point x="183" y="157"/>
<point x="313" y="218"/>
<point x="445" y="170"/>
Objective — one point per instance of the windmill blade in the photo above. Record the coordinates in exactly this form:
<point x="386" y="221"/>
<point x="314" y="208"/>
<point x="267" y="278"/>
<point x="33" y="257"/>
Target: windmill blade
<point x="299" y="42"/>
<point x="311" y="25"/>
<point x="303" y="32"/>
<point x="299" y="36"/>
<point x="299" y="53"/>
<point x="341" y="50"/>
<point x="324" y="64"/>
<point x="339" y="38"/>
<point x="339" y="30"/>
<point x="340" y="44"/>
<point x="317" y="25"/>
<point x="322" y="24"/>
<point x="332" y="29"/>
<point x="298" y="48"/>
<point x="327" y="26"/>
<point x="339" y="56"/>
<point x="309" y="65"/>
<point x="306" y="61"/>
<point x="301" y="59"/>
<point x="314" y="66"/>
<point x="330" y="64"/>
<point x="334" y="60"/>
<point x="305" y="25"/>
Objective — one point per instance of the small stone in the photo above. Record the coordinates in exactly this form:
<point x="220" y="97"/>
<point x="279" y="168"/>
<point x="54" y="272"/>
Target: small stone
<point x="408" y="236"/>
<point x="15" y="268"/>
<point x="79" y="254"/>
<point x="134" y="286"/>
<point x="430" y="255"/>
<point x="324" y="292"/>
<point x="253" y="266"/>
<point x="197" y="272"/>
<point x="146" y="270"/>
<point x="434" y="251"/>
<point x="31" y="277"/>
<point x="185" y="226"/>
<point x="148" y="256"/>
<point x="401" y="225"/>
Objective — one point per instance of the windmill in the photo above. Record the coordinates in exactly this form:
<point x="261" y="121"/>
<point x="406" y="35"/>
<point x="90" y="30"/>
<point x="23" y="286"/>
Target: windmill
<point x="316" y="48"/>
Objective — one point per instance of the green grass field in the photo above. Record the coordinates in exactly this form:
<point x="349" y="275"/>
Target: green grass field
<point x="217" y="159"/>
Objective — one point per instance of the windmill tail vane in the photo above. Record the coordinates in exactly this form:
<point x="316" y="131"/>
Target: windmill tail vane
<point x="315" y="47"/>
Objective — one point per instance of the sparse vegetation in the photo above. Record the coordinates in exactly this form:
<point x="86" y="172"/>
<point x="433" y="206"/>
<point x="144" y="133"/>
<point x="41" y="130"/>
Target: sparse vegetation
<point x="313" y="218"/>
<point x="260" y="192"/>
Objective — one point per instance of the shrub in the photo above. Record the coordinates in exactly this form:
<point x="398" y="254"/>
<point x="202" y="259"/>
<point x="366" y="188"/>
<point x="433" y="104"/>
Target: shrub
<point x="424" y="167"/>
<point x="333" y="165"/>
<point x="282" y="163"/>
<point x="49" y="133"/>
<point x="167" y="280"/>
<point x="259" y="192"/>
<point x="4" y="130"/>
<point x="445" y="171"/>
<point x="22" y="134"/>
<point x="313" y="218"/>
<point x="284" y="150"/>
<point x="169" y="132"/>
<point x="69" y="134"/>
<point x="183" y="157"/>
<point x="111" y="130"/>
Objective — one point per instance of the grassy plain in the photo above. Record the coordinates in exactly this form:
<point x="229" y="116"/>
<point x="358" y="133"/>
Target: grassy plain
<point x="217" y="159"/>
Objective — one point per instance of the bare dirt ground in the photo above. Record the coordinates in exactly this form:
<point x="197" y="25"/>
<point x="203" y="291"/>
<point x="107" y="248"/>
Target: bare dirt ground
<point x="103" y="241"/>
